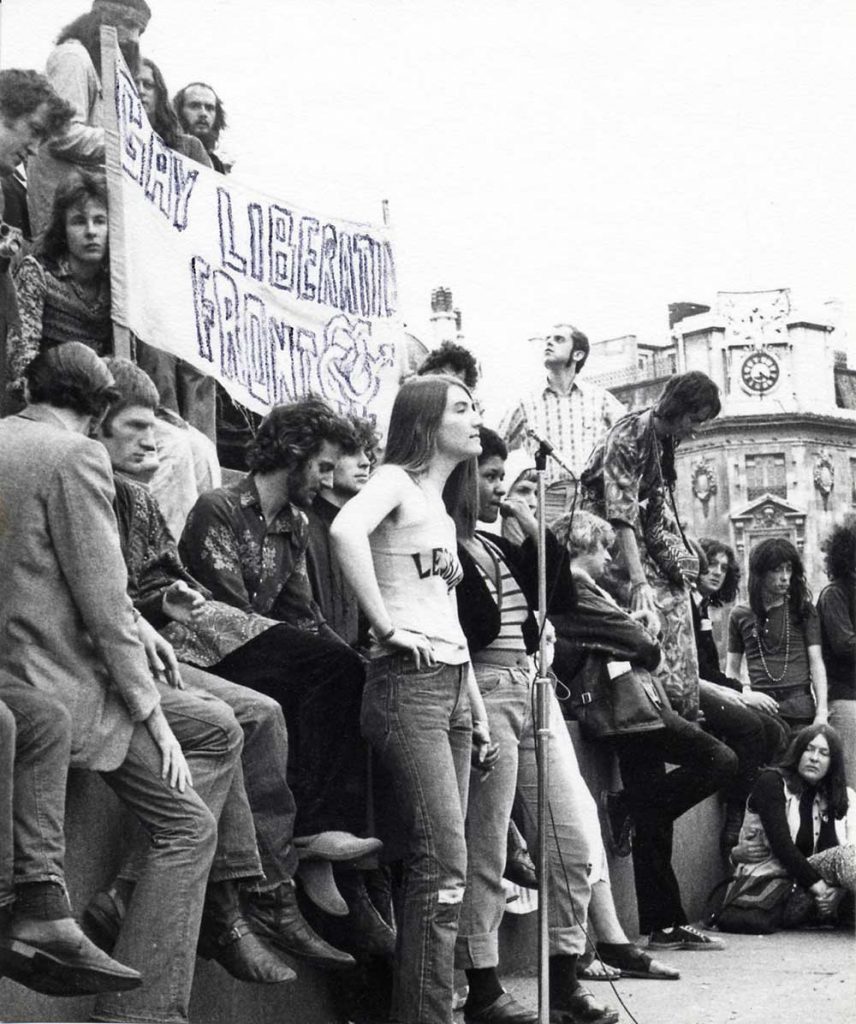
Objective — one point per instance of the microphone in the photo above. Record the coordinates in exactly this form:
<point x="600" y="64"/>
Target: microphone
<point x="545" y="446"/>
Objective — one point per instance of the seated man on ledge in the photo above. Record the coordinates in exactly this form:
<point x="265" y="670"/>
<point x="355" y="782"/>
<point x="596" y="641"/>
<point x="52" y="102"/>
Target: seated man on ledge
<point x="69" y="630"/>
<point x="41" y="945"/>
<point x="202" y="631"/>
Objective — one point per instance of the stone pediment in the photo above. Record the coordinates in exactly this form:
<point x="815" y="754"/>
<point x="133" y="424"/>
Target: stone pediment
<point x="769" y="515"/>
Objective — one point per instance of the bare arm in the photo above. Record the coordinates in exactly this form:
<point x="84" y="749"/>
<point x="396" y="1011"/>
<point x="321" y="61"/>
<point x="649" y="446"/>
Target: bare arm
<point x="349" y="537"/>
<point x="641" y="592"/>
<point x="818" y="682"/>
<point x="751" y="698"/>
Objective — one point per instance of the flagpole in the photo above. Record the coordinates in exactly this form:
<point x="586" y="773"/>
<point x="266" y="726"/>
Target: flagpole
<point x="113" y="167"/>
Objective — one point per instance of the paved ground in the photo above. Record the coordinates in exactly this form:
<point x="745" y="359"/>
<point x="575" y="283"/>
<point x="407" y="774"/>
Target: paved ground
<point x="804" y="977"/>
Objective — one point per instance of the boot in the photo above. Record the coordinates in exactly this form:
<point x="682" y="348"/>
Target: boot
<point x="227" y="937"/>
<point x="277" y="917"/>
<point x="364" y="929"/>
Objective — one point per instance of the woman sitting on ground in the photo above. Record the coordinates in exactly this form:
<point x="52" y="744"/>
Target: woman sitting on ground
<point x="778" y="632"/>
<point x="801" y="821"/>
<point x="64" y="289"/>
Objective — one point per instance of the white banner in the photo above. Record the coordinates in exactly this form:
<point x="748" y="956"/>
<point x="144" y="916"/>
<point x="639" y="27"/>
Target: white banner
<point x="273" y="300"/>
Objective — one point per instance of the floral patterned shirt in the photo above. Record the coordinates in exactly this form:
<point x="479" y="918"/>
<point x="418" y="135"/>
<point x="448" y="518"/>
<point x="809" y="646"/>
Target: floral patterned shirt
<point x="54" y="309"/>
<point x="153" y="564"/>
<point x="622" y="479"/>
<point x="230" y="549"/>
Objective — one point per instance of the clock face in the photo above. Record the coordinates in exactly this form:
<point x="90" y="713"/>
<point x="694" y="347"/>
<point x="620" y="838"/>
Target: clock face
<point x="759" y="372"/>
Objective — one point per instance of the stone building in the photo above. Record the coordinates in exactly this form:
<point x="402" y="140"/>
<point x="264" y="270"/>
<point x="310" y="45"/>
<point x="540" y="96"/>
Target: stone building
<point x="780" y="460"/>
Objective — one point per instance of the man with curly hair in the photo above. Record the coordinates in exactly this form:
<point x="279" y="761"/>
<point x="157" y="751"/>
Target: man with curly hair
<point x="454" y="361"/>
<point x="247" y="544"/>
<point x="30" y="113"/>
<point x="836" y="607"/>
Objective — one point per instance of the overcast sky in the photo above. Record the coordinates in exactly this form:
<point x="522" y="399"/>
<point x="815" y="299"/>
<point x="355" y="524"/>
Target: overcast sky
<point x="546" y="159"/>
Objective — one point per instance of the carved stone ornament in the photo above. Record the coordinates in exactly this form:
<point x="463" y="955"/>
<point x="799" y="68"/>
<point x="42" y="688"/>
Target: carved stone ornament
<point x="768" y="516"/>
<point x="824" y="475"/>
<point x="704" y="482"/>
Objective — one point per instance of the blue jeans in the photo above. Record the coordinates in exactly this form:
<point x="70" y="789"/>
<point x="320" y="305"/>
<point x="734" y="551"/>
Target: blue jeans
<point x="575" y="851"/>
<point x="506" y="692"/>
<point x="160" y="930"/>
<point x="35" y="748"/>
<point x="420" y="725"/>
<point x="842" y="717"/>
<point x="265" y="762"/>
<point x="576" y="855"/>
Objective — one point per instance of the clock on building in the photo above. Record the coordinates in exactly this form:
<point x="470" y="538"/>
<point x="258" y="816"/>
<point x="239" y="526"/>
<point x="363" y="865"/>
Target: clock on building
<point x="759" y="372"/>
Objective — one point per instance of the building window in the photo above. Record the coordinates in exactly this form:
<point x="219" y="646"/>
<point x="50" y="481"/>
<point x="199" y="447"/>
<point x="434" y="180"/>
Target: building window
<point x="765" y="474"/>
<point x="853" y="482"/>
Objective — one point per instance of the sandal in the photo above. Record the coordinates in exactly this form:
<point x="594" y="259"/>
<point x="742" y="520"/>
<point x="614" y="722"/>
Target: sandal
<point x="597" y="970"/>
<point x="635" y="963"/>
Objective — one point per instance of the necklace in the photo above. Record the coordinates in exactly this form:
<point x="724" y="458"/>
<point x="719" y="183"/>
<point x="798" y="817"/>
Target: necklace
<point x="786" y="632"/>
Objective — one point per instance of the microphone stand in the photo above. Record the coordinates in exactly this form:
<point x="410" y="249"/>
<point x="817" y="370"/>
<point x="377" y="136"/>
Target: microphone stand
<point x="542" y="737"/>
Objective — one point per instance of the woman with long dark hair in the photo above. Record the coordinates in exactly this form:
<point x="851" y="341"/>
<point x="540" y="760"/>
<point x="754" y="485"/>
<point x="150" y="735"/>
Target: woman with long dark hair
<point x="64" y="289"/>
<point x="181" y="387"/>
<point x="422" y="710"/>
<point x="836" y="607"/>
<point x="801" y="822"/>
<point x="154" y="97"/>
<point x="755" y="736"/>
<point x="778" y="633"/>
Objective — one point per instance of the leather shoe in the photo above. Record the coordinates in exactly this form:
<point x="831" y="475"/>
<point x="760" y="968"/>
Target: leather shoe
<point x="56" y="958"/>
<point x="276" y="916"/>
<point x="365" y="929"/>
<point x="102" y="918"/>
<point x="242" y="953"/>
<point x="337" y="846"/>
<point x="505" y="1010"/>
<point x="582" y="1008"/>
<point x="520" y="869"/>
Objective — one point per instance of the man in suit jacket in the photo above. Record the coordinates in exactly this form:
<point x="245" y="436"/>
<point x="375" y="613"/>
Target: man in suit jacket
<point x="68" y="629"/>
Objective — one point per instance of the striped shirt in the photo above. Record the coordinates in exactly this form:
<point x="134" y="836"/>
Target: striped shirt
<point x="512" y="603"/>
<point x="572" y="423"/>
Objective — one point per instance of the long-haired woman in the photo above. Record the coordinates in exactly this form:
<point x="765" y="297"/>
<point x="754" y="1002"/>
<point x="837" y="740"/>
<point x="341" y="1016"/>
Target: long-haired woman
<point x="154" y="97"/>
<point x="801" y="821"/>
<point x="778" y="633"/>
<point x="422" y="710"/>
<point x="758" y="738"/>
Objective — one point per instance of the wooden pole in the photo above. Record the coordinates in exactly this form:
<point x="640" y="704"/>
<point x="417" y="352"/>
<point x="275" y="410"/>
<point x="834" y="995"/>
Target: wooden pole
<point x="113" y="167"/>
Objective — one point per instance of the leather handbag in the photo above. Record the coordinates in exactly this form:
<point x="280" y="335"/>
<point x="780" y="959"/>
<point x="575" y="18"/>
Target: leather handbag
<point x="611" y="698"/>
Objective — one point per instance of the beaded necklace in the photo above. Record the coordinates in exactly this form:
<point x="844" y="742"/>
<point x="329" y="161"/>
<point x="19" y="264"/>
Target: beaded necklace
<point x="786" y="632"/>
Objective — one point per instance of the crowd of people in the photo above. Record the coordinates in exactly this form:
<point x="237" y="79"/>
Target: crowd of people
<point x="311" y="687"/>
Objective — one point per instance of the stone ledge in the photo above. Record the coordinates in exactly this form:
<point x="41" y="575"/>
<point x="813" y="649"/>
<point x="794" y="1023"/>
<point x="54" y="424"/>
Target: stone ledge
<point x="95" y="823"/>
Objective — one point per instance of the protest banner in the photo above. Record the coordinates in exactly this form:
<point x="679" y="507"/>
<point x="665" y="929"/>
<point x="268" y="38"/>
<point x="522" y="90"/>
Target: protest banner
<point x="273" y="300"/>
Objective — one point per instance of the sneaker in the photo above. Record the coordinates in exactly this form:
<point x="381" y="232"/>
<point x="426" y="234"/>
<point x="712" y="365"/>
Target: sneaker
<point x="684" y="936"/>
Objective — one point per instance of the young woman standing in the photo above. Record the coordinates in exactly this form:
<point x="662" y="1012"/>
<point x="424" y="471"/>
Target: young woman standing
<point x="422" y="710"/>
